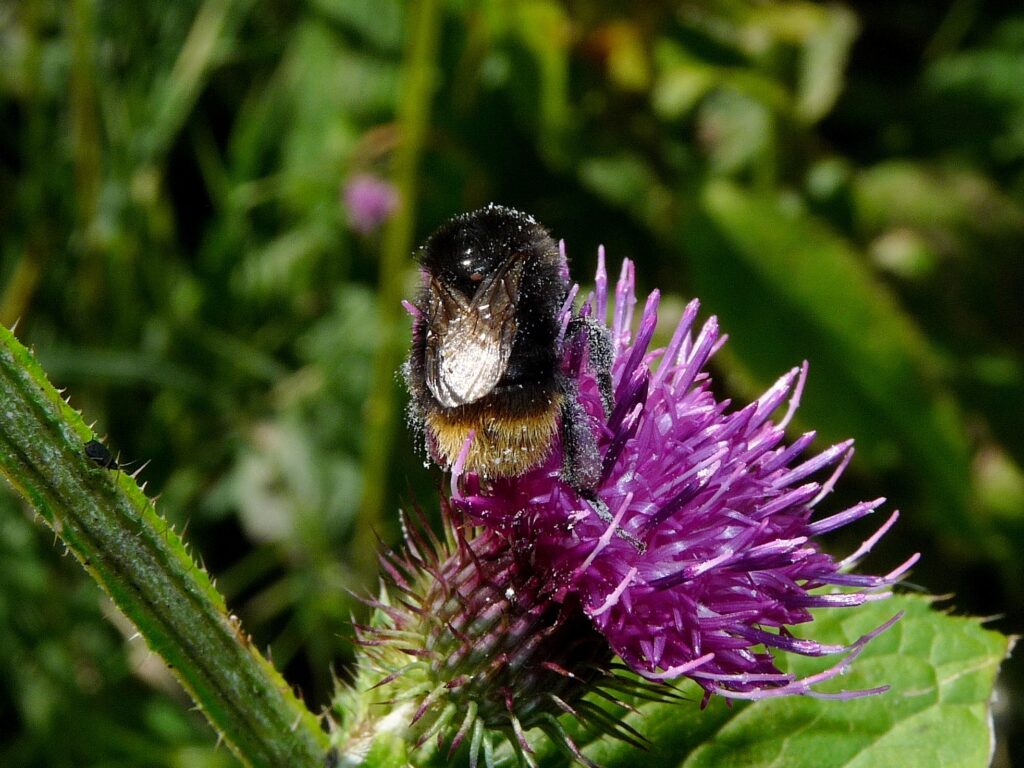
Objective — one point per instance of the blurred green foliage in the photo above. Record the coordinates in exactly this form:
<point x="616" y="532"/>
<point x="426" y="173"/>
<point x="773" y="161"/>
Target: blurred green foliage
<point x="843" y="184"/>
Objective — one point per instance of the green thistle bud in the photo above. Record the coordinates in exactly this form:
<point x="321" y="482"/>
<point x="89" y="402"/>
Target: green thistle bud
<point x="466" y="650"/>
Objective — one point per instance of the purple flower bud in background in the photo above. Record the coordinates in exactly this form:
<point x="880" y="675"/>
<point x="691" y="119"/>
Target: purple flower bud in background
<point x="369" y="201"/>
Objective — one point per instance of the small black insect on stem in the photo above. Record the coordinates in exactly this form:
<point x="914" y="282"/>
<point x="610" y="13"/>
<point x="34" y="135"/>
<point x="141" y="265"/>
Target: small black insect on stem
<point x="98" y="454"/>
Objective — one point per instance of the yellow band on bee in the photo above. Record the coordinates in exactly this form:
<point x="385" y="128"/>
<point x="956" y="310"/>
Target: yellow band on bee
<point x="504" y="444"/>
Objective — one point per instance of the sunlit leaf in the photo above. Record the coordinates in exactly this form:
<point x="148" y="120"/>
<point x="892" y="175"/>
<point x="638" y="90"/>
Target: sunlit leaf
<point x="823" y="62"/>
<point x="941" y="671"/>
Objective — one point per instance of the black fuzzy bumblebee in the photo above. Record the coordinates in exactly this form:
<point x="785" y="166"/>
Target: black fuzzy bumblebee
<point x="485" y="357"/>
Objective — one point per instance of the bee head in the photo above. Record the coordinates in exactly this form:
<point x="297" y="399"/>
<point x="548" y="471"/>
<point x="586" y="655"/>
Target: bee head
<point x="473" y="249"/>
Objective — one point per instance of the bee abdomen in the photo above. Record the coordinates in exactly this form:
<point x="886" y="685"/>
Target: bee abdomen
<point x="504" y="444"/>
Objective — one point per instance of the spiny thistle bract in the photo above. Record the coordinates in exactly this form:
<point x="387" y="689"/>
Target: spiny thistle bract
<point x="694" y="559"/>
<point x="466" y="647"/>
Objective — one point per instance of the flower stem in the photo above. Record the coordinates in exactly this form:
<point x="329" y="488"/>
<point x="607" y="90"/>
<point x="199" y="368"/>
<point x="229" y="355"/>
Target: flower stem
<point x="112" y="528"/>
<point x="413" y="120"/>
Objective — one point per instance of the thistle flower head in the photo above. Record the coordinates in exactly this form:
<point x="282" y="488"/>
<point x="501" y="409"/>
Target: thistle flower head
<point x="691" y="555"/>
<point x="706" y="551"/>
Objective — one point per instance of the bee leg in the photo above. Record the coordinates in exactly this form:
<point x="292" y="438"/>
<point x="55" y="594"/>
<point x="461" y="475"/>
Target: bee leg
<point x="605" y="514"/>
<point x="581" y="460"/>
<point x="600" y="354"/>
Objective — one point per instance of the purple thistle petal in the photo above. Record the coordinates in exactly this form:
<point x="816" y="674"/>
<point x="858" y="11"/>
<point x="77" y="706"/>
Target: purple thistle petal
<point x="839" y="600"/>
<point x="601" y="289"/>
<point x="846" y="517"/>
<point x="412" y="309"/>
<point x="625" y="300"/>
<point x="804" y="686"/>
<point x="678" y="671"/>
<point x="692" y="361"/>
<point x="567" y="314"/>
<point x="794" y="399"/>
<point x="809" y="467"/>
<point x="855" y="557"/>
<point x="648" y="322"/>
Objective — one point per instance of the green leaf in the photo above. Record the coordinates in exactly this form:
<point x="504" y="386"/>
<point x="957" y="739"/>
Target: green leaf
<point x="379" y="22"/>
<point x="628" y="181"/>
<point x="941" y="670"/>
<point x="737" y="129"/>
<point x="681" y="80"/>
<point x="544" y="29"/>
<point x="790" y="289"/>
<point x="823" y="62"/>
<point x="952" y="201"/>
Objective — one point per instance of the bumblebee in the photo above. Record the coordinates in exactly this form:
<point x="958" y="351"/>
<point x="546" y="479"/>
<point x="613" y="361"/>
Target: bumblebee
<point x="486" y="359"/>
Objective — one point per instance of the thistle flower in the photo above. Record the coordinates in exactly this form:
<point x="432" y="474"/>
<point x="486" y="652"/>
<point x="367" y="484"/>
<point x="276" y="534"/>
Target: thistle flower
<point x="700" y="550"/>
<point x="692" y="556"/>
<point x="369" y="202"/>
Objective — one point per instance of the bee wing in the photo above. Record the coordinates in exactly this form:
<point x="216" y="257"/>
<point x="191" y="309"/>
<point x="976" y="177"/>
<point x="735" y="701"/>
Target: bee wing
<point x="469" y="343"/>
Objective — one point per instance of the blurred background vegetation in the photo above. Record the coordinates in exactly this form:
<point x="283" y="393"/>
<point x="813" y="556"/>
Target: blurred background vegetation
<point x="842" y="183"/>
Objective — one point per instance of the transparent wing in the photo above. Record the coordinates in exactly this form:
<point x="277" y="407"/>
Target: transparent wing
<point x="469" y="343"/>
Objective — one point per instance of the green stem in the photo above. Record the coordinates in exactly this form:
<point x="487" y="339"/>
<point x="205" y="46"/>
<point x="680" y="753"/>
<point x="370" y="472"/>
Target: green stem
<point x="107" y="522"/>
<point x="413" y="120"/>
<point x="210" y="39"/>
<point x="85" y="151"/>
